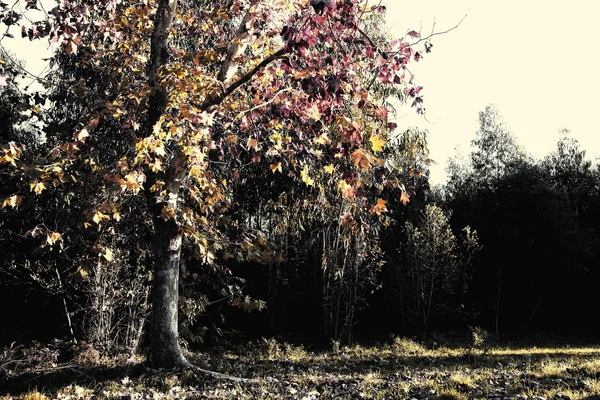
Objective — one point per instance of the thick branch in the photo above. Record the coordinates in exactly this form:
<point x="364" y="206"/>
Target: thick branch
<point x="213" y="101"/>
<point x="237" y="48"/>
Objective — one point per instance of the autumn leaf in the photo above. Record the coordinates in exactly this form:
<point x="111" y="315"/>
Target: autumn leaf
<point x="81" y="136"/>
<point x="414" y="34"/>
<point x="379" y="207"/>
<point x="167" y="213"/>
<point x="276" y="167"/>
<point x="404" y="198"/>
<point x="360" y="159"/>
<point x="329" y="168"/>
<point x="37" y="187"/>
<point x="12" y="201"/>
<point x="346" y="189"/>
<point x="52" y="237"/>
<point x="252" y="144"/>
<point x="99" y="217"/>
<point x="108" y="254"/>
<point x="377" y="142"/>
<point x="313" y="112"/>
<point x="305" y="177"/>
<point x="131" y="183"/>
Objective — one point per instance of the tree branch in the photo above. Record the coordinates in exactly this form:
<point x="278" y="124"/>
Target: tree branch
<point x="213" y="101"/>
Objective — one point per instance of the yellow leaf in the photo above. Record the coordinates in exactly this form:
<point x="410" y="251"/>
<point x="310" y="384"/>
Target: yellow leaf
<point x="108" y="255"/>
<point x="157" y="186"/>
<point x="377" y="142"/>
<point x="329" y="168"/>
<point x="12" y="201"/>
<point x="131" y="183"/>
<point x="276" y="167"/>
<point x="313" y="112"/>
<point x="82" y="272"/>
<point x="322" y="139"/>
<point x="305" y="177"/>
<point x="52" y="238"/>
<point x="99" y="217"/>
<point x="160" y="150"/>
<point x="37" y="187"/>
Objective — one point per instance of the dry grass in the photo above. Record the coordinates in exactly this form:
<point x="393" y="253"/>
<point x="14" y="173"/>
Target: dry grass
<point x="402" y="369"/>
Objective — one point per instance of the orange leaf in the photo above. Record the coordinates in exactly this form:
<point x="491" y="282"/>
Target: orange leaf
<point x="347" y="190"/>
<point x="360" y="159"/>
<point x="404" y="198"/>
<point x="379" y="207"/>
<point x="52" y="238"/>
<point x="276" y="167"/>
<point x="252" y="143"/>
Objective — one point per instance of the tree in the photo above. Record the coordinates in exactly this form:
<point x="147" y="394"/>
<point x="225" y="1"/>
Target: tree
<point x="434" y="266"/>
<point x="496" y="149"/>
<point x="179" y="116"/>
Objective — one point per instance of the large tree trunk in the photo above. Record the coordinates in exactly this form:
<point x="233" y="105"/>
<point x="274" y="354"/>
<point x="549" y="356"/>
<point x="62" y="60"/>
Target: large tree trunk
<point x="164" y="346"/>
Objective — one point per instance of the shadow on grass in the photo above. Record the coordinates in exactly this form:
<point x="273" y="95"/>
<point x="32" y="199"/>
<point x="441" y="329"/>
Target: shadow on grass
<point x="54" y="379"/>
<point x="393" y="364"/>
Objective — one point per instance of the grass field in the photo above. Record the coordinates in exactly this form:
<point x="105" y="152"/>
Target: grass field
<point x="401" y="369"/>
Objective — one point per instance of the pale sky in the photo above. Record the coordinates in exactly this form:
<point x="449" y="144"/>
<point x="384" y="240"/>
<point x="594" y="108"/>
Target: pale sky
<point x="537" y="61"/>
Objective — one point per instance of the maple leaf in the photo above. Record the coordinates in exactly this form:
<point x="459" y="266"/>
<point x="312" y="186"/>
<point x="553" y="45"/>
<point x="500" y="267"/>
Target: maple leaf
<point x="404" y="198"/>
<point x="379" y="207"/>
<point x="167" y="213"/>
<point x="37" y="187"/>
<point x="108" y="254"/>
<point x="313" y="112"/>
<point x="131" y="183"/>
<point x="360" y="159"/>
<point x="377" y="142"/>
<point x="81" y="136"/>
<point x="252" y="144"/>
<point x="346" y="188"/>
<point x="99" y="217"/>
<point x="305" y="177"/>
<point x="52" y="237"/>
<point x="276" y="167"/>
<point x="12" y="201"/>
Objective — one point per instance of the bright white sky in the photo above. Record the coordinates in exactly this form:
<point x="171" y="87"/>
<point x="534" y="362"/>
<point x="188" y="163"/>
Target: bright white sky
<point x="536" y="60"/>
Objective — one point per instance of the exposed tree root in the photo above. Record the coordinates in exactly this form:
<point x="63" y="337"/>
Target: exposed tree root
<point x="197" y="370"/>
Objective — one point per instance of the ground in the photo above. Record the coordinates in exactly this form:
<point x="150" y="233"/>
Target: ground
<point x="400" y="369"/>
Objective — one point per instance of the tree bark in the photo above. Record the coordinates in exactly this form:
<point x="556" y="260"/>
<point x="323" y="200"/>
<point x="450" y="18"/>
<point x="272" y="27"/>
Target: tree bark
<point x="164" y="335"/>
<point x="164" y="338"/>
